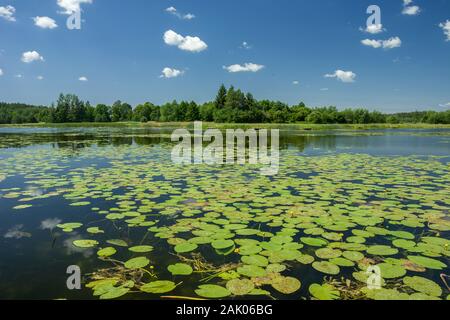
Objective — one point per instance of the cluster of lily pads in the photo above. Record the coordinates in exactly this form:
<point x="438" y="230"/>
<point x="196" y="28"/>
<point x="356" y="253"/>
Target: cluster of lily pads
<point x="310" y="232"/>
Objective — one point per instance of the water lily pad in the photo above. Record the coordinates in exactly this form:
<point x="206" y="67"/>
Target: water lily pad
<point x="428" y="263"/>
<point x="114" y="293"/>
<point x="222" y="244"/>
<point x="251" y="271"/>
<point x="305" y="259"/>
<point x="391" y="271"/>
<point x="180" y="269"/>
<point x="137" y="263"/>
<point x="106" y="252"/>
<point x="185" y="247"/>
<point x="158" y="287"/>
<point x="85" y="243"/>
<point x="212" y="291"/>
<point x="141" y="249"/>
<point x="353" y="255"/>
<point x="324" y="292"/>
<point x="255" y="260"/>
<point x="286" y="285"/>
<point x="117" y="242"/>
<point x="423" y="285"/>
<point x="326" y="267"/>
<point x="328" y="253"/>
<point x="315" y="242"/>
<point x="382" y="250"/>
<point x="240" y="287"/>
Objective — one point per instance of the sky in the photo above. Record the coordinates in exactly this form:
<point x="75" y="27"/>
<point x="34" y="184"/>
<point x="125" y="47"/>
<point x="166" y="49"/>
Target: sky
<point x="321" y="52"/>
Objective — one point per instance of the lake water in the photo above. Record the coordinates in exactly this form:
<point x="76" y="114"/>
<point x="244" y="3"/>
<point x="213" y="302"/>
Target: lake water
<point x="342" y="201"/>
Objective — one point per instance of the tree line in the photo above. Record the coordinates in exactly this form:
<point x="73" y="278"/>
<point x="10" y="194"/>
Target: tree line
<point x="230" y="106"/>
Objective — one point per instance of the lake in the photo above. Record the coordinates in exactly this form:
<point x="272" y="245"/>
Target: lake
<point x="110" y="201"/>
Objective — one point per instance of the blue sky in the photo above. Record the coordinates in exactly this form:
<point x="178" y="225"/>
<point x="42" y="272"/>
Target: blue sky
<point x="121" y="51"/>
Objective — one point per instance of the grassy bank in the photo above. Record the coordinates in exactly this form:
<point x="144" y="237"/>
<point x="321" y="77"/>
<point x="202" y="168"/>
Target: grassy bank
<point x="294" y="126"/>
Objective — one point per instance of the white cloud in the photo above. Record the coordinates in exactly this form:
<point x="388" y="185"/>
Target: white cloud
<point x="445" y="105"/>
<point x="31" y="56"/>
<point x="45" y="22"/>
<point x="1" y="72"/>
<point x="344" y="76"/>
<point x="373" y="29"/>
<point x="71" y="6"/>
<point x="171" y="73"/>
<point x="247" y="67"/>
<point x="84" y="79"/>
<point x="7" y="13"/>
<point x="246" y="45"/>
<point x="18" y="76"/>
<point x="188" y="43"/>
<point x="295" y="83"/>
<point x="40" y="77"/>
<point x="391" y="43"/>
<point x="446" y="28"/>
<point x="174" y="11"/>
<point x="411" y="10"/>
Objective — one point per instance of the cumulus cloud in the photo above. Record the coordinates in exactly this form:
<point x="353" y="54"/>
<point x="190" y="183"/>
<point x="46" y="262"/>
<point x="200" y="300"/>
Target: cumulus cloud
<point x="71" y="6"/>
<point x="295" y="82"/>
<point x="1" y="72"/>
<point x="188" y="43"/>
<point x="409" y="9"/>
<point x="246" y="45"/>
<point x="176" y="13"/>
<point x="84" y="79"/>
<point x="171" y="73"/>
<point x="391" y="43"/>
<point x="344" y="76"/>
<point x="31" y="56"/>
<point x="40" y="77"/>
<point x="45" y="22"/>
<point x="374" y="29"/>
<point x="446" y="28"/>
<point x="7" y="13"/>
<point x="247" y="67"/>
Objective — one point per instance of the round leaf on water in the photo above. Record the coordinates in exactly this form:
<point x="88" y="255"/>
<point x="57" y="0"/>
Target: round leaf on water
<point x="137" y="263"/>
<point x="117" y="242"/>
<point x="212" y="291"/>
<point x="185" y="247"/>
<point x="240" y="287"/>
<point x="141" y="249"/>
<point x="106" y="252"/>
<point x="255" y="260"/>
<point x="423" y="285"/>
<point x="275" y="268"/>
<point x="326" y="267"/>
<point x="324" y="292"/>
<point x="158" y="287"/>
<point x="382" y="250"/>
<point x="114" y="293"/>
<point x="249" y="250"/>
<point x="95" y="230"/>
<point x="353" y="255"/>
<point x="391" y="271"/>
<point x="251" y="271"/>
<point x="305" y="259"/>
<point x="342" y="262"/>
<point x="222" y="244"/>
<point x="428" y="263"/>
<point x="180" y="269"/>
<point x="328" y="253"/>
<point x="286" y="285"/>
<point x="85" y="243"/>
<point x="315" y="242"/>
<point x="404" y="244"/>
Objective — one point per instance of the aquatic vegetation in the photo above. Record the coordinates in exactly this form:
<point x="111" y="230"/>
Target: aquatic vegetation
<point x="310" y="232"/>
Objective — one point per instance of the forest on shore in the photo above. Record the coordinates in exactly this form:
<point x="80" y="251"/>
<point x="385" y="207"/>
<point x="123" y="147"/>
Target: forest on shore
<point x="229" y="106"/>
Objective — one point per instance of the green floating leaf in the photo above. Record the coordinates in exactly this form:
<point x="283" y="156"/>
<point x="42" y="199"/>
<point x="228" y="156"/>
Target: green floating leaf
<point x="326" y="267"/>
<point x="212" y="291"/>
<point x="315" y="242"/>
<point x="106" y="252"/>
<point x="382" y="251"/>
<point x="141" y="249"/>
<point x="95" y="230"/>
<point x="328" y="253"/>
<point x="305" y="259"/>
<point x="158" y="287"/>
<point x="240" y="287"/>
<point x="286" y="285"/>
<point x="180" y="269"/>
<point x="185" y="247"/>
<point x="117" y="242"/>
<point x="222" y="244"/>
<point x="423" y="285"/>
<point x="137" y="263"/>
<point x="391" y="271"/>
<point x="256" y="260"/>
<point x="353" y="255"/>
<point x="251" y="271"/>
<point x="114" y="293"/>
<point x="23" y="206"/>
<point x="85" y="243"/>
<point x="428" y="263"/>
<point x="324" y="292"/>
